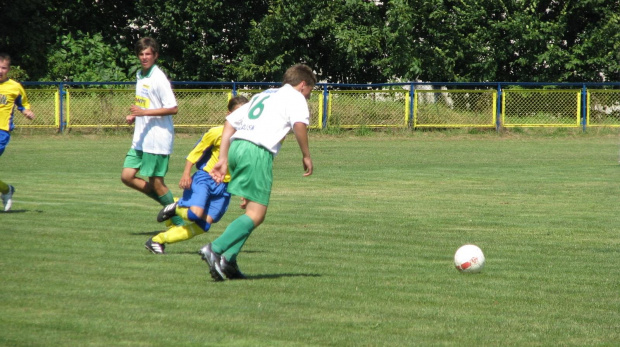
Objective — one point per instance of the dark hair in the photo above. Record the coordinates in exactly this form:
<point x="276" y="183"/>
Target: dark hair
<point x="236" y="101"/>
<point x="298" y="73"/>
<point x="147" y="42"/>
<point x="5" y="56"/>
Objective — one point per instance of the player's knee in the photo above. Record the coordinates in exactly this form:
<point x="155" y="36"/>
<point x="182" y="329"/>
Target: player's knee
<point x="127" y="177"/>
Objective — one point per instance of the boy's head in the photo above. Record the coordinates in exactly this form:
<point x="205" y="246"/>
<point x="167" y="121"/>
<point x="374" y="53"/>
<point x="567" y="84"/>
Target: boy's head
<point x="5" y="66"/>
<point x="147" y="42"/>
<point x="298" y="74"/>
<point x="236" y="102"/>
<point x="147" y="51"/>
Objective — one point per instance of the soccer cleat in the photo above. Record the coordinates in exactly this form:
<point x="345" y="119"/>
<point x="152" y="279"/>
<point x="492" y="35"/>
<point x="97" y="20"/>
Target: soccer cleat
<point x="231" y="269"/>
<point x="154" y="247"/>
<point x="7" y="199"/>
<point x="213" y="259"/>
<point x="167" y="212"/>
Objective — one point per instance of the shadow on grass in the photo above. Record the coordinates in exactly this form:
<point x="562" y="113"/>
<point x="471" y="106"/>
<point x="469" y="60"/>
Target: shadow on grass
<point x="147" y="233"/>
<point x="196" y="253"/>
<point x="21" y="211"/>
<point x="275" y="276"/>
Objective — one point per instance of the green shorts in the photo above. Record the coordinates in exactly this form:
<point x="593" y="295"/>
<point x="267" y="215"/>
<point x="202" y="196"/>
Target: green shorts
<point x="150" y="165"/>
<point x="251" y="171"/>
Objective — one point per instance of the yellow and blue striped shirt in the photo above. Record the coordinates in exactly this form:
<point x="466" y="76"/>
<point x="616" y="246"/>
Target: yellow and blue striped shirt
<point x="207" y="151"/>
<point x="11" y="94"/>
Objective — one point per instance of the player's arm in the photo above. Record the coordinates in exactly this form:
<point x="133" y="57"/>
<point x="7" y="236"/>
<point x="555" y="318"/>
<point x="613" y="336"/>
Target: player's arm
<point x="219" y="170"/>
<point x="186" y="177"/>
<point x="23" y="105"/>
<point x="138" y="111"/>
<point x="301" y="134"/>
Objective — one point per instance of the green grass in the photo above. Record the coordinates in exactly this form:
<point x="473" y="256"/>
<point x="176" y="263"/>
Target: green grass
<point x="359" y="254"/>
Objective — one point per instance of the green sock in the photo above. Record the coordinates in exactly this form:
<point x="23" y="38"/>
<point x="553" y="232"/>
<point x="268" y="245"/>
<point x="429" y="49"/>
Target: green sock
<point x="230" y="242"/>
<point x="166" y="200"/>
<point x="153" y="196"/>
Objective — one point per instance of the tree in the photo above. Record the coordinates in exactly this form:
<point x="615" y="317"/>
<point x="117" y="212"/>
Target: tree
<point x="86" y="58"/>
<point x="25" y="34"/>
<point x="341" y="40"/>
<point x="199" y="38"/>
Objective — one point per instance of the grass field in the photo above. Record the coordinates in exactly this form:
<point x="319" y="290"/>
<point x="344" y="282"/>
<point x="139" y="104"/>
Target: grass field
<point x="359" y="254"/>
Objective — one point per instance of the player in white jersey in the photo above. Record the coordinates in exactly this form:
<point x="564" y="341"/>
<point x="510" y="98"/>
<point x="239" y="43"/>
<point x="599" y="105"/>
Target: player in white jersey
<point x="153" y="136"/>
<point x="251" y="138"/>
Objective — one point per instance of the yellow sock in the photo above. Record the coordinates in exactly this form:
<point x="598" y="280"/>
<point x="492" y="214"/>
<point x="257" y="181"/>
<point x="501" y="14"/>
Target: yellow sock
<point x="4" y="188"/>
<point x="178" y="233"/>
<point x="182" y="212"/>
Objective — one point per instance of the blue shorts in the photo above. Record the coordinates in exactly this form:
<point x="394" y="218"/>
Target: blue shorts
<point x="207" y="194"/>
<point x="5" y="137"/>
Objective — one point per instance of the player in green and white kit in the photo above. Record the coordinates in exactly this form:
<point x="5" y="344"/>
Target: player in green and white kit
<point x="252" y="137"/>
<point x="153" y="135"/>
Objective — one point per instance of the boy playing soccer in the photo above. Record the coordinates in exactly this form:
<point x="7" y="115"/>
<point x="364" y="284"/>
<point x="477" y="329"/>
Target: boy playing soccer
<point x="204" y="202"/>
<point x="252" y="137"/>
<point x="11" y="94"/>
<point x="153" y="136"/>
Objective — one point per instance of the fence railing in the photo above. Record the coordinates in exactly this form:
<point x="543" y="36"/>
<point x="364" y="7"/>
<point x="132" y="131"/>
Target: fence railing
<point x="394" y="105"/>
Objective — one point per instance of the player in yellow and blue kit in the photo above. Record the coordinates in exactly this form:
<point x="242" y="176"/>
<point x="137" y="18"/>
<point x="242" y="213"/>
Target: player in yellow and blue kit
<point x="12" y="94"/>
<point x="204" y="201"/>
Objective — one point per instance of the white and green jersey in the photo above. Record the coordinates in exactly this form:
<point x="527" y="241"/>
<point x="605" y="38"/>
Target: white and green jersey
<point x="154" y="134"/>
<point x="269" y="116"/>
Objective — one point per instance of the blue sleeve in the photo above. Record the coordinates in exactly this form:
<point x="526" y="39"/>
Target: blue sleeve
<point x="18" y="103"/>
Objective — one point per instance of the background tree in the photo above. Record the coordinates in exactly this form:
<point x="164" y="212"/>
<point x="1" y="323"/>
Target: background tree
<point x="342" y="40"/>
<point x="87" y="58"/>
<point x="199" y="38"/>
<point x="350" y="41"/>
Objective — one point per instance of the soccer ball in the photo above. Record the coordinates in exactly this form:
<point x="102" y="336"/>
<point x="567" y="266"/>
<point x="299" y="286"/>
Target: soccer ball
<point x="469" y="258"/>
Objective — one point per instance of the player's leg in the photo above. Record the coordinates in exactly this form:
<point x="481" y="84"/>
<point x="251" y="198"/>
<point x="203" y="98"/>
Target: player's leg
<point x="177" y="233"/>
<point x="191" y="206"/>
<point x="251" y="178"/>
<point x="231" y="241"/>
<point x="131" y="166"/>
<point x="6" y="193"/>
<point x="164" y="196"/>
<point x="155" y="167"/>
<point x="6" y="190"/>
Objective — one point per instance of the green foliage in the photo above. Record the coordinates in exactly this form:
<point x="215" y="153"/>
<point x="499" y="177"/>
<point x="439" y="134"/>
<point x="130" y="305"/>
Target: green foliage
<point x="86" y="58"/>
<point x="17" y="73"/>
<point x="343" y="41"/>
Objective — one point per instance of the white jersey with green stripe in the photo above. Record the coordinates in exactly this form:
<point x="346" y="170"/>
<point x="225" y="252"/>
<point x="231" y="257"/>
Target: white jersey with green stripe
<point x="269" y="116"/>
<point x="154" y="134"/>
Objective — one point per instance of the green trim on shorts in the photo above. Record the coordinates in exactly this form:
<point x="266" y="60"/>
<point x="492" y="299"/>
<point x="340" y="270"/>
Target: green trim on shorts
<point x="251" y="171"/>
<point x="150" y="165"/>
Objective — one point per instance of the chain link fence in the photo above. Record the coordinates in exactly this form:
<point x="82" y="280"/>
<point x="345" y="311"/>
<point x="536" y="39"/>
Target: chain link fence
<point x="455" y="108"/>
<point x="603" y="108"/>
<point x="541" y="108"/>
<point x="344" y="106"/>
<point x="45" y="104"/>
<point x="368" y="108"/>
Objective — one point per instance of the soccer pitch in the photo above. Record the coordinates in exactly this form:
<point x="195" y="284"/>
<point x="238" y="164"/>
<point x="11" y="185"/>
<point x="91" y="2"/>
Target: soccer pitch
<point x="358" y="254"/>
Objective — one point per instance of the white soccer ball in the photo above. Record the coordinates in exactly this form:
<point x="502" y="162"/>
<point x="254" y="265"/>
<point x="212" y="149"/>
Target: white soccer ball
<point x="469" y="258"/>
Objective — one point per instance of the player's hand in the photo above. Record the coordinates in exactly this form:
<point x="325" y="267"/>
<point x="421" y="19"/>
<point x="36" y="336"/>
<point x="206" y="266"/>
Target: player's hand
<point x="130" y="119"/>
<point x="219" y="171"/>
<point x="135" y="110"/>
<point x="29" y="114"/>
<point x="307" y="161"/>
<point x="185" y="182"/>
